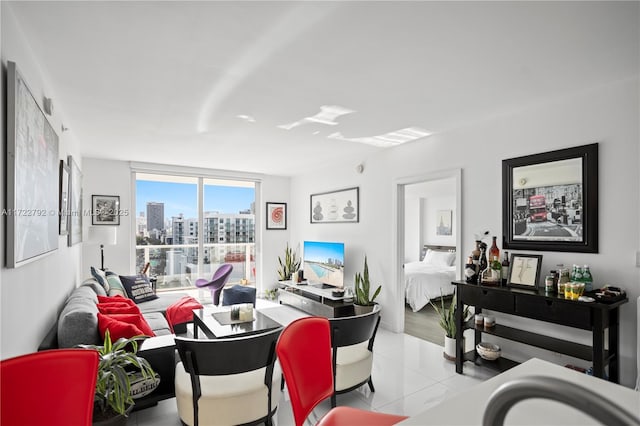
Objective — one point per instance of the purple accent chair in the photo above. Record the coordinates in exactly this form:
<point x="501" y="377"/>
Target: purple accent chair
<point x="218" y="281"/>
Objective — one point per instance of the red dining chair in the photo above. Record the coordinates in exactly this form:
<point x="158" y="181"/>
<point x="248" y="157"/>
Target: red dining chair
<point x="54" y="387"/>
<point x="304" y="351"/>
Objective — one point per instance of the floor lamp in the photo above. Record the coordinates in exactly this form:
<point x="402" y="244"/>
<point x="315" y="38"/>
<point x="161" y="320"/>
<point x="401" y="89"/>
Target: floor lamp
<point x="105" y="236"/>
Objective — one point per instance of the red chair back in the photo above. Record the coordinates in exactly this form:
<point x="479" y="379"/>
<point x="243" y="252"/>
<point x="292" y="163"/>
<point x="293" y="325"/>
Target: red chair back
<point x="304" y="351"/>
<point x="54" y="387"/>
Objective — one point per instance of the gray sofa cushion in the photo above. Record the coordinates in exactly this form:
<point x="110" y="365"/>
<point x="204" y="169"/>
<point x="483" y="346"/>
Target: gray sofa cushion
<point x="78" y="321"/>
<point x="157" y="322"/>
<point x="96" y="286"/>
<point x="161" y="303"/>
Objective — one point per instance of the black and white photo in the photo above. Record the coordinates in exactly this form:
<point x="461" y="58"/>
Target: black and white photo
<point x="105" y="210"/>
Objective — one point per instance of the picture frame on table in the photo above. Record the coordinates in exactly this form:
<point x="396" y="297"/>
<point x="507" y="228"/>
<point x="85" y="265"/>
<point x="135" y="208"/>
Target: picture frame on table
<point x="524" y="271"/>
<point x="550" y="201"/>
<point x="105" y="210"/>
<point x="276" y="215"/>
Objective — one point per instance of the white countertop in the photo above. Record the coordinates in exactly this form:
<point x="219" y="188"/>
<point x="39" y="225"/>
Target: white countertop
<point x="467" y="407"/>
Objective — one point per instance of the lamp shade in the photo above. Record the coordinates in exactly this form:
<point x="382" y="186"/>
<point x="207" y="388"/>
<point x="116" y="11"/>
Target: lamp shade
<point x="105" y="235"/>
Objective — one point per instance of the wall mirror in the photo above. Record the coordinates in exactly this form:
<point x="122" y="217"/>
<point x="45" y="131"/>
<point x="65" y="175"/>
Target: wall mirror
<point x="550" y="201"/>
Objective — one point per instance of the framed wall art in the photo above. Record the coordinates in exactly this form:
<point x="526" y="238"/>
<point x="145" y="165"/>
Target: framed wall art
<point x="276" y="215"/>
<point x="75" y="203"/>
<point x="550" y="201"/>
<point x="32" y="176"/>
<point x="443" y="222"/>
<point x="335" y="206"/>
<point x="524" y="271"/>
<point x="64" y="198"/>
<point x="105" y="210"/>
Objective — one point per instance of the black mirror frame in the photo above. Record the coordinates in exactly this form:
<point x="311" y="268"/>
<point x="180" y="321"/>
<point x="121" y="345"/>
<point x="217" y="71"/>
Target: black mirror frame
<point x="589" y="219"/>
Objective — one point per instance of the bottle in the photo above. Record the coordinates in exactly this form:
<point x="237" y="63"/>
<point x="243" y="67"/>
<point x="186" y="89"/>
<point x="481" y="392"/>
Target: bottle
<point x="578" y="275"/>
<point x="496" y="270"/>
<point x="483" y="261"/>
<point x="587" y="278"/>
<point x="470" y="270"/>
<point x="505" y="268"/>
<point x="475" y="254"/>
<point x="494" y="250"/>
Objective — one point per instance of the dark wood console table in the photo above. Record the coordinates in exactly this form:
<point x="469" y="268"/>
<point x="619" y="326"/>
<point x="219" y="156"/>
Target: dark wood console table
<point x="593" y="316"/>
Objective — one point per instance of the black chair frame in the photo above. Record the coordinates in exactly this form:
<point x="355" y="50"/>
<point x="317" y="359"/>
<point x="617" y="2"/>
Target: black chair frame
<point x="347" y="331"/>
<point x="217" y="357"/>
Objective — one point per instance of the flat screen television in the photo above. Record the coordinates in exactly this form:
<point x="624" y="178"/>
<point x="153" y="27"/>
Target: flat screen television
<point x="323" y="263"/>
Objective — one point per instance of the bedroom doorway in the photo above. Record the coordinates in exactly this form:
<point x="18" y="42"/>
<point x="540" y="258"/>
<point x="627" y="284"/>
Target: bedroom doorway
<point x="427" y="249"/>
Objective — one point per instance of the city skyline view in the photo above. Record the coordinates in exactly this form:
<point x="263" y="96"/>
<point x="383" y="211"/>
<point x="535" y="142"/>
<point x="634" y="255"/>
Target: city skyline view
<point x="181" y="198"/>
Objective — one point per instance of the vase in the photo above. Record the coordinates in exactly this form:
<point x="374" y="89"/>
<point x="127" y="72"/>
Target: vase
<point x="362" y="309"/>
<point x="449" y="348"/>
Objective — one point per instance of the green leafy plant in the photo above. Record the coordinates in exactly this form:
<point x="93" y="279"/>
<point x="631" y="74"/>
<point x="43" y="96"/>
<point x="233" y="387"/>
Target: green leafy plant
<point x="116" y="368"/>
<point x="363" y="286"/>
<point x="447" y="316"/>
<point x="290" y="264"/>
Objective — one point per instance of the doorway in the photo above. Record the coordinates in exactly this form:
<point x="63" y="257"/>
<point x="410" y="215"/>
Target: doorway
<point x="423" y="204"/>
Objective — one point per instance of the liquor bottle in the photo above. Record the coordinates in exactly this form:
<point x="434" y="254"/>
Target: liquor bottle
<point x="483" y="261"/>
<point x="475" y="254"/>
<point x="494" y="250"/>
<point x="505" y="268"/>
<point x="496" y="270"/>
<point x="587" y="278"/>
<point x="471" y="270"/>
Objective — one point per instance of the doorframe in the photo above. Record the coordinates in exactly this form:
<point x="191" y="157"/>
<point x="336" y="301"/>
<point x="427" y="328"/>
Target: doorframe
<point x="399" y="232"/>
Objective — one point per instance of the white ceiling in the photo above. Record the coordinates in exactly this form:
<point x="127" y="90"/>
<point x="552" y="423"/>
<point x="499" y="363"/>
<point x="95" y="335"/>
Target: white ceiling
<point x="166" y="81"/>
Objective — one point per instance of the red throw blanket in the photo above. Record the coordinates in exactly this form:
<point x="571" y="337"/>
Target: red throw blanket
<point x="182" y="311"/>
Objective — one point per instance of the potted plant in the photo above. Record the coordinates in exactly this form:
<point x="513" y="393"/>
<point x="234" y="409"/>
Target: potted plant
<point x="363" y="302"/>
<point x="289" y="265"/>
<point x="447" y="321"/>
<point x="118" y="367"/>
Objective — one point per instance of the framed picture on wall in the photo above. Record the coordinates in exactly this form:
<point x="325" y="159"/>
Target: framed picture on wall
<point x="276" y="215"/>
<point x="335" y="206"/>
<point x="550" y="201"/>
<point x="443" y="222"/>
<point x="105" y="210"/>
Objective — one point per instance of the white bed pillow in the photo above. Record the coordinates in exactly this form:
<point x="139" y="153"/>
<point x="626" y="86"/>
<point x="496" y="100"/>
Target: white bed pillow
<point x="439" y="258"/>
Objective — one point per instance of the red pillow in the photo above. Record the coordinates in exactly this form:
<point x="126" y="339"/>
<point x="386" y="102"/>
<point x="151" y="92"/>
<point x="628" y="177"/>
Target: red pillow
<point x="119" y="299"/>
<point x="117" y="308"/>
<point x="137" y="320"/>
<point x="117" y="329"/>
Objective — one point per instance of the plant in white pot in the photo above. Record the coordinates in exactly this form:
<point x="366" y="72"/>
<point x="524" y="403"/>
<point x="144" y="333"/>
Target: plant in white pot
<point x="363" y="302"/>
<point x="447" y="321"/>
<point x="119" y="366"/>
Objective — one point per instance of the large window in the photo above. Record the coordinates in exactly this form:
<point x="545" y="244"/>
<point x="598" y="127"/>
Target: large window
<point x="171" y="220"/>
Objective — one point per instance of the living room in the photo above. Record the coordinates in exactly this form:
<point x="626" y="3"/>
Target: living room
<point x="565" y="87"/>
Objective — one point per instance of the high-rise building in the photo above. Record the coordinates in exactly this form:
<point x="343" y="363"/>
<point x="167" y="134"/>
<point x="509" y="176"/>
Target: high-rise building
<point x="155" y="216"/>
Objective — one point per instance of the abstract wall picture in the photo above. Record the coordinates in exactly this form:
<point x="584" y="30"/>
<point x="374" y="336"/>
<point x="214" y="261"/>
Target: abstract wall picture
<point x="335" y="206"/>
<point x="32" y="176"/>
<point x="276" y="215"/>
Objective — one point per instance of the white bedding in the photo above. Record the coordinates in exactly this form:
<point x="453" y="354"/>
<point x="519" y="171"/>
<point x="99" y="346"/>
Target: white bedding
<point x="426" y="281"/>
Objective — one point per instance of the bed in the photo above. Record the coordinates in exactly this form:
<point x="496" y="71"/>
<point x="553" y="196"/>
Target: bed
<point x="431" y="277"/>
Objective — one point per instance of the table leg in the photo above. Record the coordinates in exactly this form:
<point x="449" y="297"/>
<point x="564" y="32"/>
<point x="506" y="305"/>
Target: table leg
<point x="459" y="335"/>
<point x="598" y="344"/>
<point x="613" y="345"/>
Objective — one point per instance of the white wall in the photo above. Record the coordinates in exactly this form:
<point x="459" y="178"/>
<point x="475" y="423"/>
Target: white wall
<point x="607" y="114"/>
<point x="31" y="295"/>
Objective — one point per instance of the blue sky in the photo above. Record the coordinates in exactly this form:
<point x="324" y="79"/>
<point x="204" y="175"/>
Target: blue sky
<point x="183" y="198"/>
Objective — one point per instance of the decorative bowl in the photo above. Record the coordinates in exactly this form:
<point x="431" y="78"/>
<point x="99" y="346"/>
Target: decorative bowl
<point x="488" y="351"/>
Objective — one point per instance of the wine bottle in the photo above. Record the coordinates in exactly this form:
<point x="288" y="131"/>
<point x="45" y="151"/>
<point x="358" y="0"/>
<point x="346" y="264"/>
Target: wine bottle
<point x="505" y="268"/>
<point x="483" y="261"/>
<point x="494" y="251"/>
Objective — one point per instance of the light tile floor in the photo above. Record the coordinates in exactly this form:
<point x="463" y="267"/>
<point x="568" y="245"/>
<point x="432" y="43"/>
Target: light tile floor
<point x="409" y="375"/>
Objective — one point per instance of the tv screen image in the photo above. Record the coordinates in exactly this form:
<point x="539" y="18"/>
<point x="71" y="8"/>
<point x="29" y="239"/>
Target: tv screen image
<point x="324" y="263"/>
